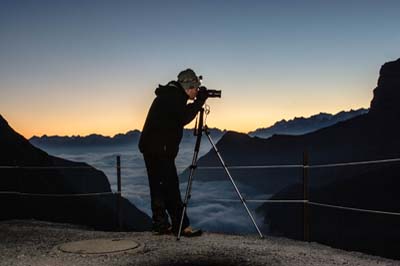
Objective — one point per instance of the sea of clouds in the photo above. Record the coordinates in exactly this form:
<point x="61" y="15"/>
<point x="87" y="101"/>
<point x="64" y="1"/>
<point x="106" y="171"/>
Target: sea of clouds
<point x="214" y="205"/>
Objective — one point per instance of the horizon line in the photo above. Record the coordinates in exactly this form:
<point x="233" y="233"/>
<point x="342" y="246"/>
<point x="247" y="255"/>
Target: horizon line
<point x="191" y="128"/>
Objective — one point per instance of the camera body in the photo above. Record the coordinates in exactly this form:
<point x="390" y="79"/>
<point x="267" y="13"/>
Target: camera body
<point x="210" y="93"/>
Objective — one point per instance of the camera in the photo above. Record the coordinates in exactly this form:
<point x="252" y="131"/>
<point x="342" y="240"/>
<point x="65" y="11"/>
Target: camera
<point x="209" y="93"/>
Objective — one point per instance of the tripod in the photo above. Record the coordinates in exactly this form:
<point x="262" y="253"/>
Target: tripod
<point x="199" y="132"/>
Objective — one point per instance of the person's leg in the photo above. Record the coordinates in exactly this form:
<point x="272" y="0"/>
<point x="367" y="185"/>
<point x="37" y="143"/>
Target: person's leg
<point x="172" y="194"/>
<point x="155" y="172"/>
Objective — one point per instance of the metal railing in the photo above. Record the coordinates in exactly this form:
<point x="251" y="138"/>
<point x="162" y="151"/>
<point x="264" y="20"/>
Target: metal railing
<point x="305" y="178"/>
<point x="118" y="194"/>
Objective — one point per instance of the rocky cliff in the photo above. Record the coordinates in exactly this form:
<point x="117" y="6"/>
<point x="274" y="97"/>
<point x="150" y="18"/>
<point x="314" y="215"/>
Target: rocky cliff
<point x="39" y="180"/>
<point x="371" y="136"/>
<point x="387" y="94"/>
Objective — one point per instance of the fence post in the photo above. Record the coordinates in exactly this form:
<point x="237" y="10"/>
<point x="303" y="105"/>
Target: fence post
<point x="119" y="194"/>
<point x="21" y="204"/>
<point x="306" y="214"/>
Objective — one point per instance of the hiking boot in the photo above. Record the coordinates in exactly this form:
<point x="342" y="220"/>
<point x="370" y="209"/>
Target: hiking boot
<point x="190" y="232"/>
<point x="162" y="230"/>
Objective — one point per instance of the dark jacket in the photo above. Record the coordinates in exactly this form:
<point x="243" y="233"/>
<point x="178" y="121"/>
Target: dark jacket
<point x="168" y="114"/>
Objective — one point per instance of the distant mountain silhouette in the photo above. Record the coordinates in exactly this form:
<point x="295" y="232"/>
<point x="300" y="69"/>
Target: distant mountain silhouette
<point x="95" y="211"/>
<point x="370" y="136"/>
<point x="130" y="138"/>
<point x="303" y="125"/>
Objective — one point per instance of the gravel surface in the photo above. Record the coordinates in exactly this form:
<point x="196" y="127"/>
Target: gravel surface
<point x="36" y="243"/>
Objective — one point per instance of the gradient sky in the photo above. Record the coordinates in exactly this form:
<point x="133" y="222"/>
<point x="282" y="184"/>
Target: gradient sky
<point x="82" y="67"/>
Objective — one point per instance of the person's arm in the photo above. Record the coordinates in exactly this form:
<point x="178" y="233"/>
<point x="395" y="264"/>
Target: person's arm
<point x="191" y="110"/>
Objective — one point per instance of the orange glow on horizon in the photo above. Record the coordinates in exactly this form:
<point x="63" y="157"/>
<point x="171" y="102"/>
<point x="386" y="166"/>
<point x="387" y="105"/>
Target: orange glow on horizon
<point x="75" y="126"/>
<point x="109" y="115"/>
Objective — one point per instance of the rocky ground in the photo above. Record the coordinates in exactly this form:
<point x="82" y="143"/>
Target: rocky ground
<point x="37" y="244"/>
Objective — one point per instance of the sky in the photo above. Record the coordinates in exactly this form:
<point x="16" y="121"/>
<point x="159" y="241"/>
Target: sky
<point x="82" y="67"/>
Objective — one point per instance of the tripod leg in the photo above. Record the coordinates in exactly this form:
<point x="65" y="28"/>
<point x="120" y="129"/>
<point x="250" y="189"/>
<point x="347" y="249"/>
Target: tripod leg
<point x="233" y="183"/>
<point x="188" y="192"/>
<point x="199" y="131"/>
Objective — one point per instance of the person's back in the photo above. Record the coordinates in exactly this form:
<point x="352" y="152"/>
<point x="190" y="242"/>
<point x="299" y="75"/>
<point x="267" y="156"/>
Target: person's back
<point x="162" y="131"/>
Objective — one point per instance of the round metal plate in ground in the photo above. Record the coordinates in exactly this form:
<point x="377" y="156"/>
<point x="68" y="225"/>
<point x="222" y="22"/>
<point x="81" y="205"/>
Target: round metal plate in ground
<point x="99" y="246"/>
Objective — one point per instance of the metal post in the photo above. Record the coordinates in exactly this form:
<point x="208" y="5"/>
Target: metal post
<point x="306" y="215"/>
<point x="21" y="204"/>
<point x="119" y="194"/>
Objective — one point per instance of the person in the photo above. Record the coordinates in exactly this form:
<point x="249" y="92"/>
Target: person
<point x="159" y="143"/>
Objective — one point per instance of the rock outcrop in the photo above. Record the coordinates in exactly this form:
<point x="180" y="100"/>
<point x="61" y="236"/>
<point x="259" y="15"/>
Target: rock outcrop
<point x="386" y="101"/>
<point x="35" y="188"/>
<point x="371" y="136"/>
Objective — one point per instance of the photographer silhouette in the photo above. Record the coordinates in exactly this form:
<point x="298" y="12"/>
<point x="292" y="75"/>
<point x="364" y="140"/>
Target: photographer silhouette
<point x="159" y="143"/>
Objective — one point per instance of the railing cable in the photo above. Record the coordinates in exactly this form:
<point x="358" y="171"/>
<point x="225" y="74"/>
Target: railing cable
<point x="56" y="195"/>
<point x="352" y="209"/>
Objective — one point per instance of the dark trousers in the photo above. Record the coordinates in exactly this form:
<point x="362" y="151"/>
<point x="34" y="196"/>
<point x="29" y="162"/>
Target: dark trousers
<point x="164" y="191"/>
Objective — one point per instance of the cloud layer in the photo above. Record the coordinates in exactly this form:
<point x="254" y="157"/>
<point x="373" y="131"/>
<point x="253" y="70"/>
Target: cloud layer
<point x="214" y="205"/>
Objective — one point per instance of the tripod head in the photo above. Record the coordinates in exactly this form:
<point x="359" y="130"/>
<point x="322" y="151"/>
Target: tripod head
<point x="201" y="125"/>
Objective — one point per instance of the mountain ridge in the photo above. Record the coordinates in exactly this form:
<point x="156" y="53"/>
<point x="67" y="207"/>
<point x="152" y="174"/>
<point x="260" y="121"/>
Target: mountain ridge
<point x="295" y="126"/>
<point x="302" y="125"/>
<point x="121" y="139"/>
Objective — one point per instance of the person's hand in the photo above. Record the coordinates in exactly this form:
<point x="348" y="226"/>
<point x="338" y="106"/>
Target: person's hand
<point x="202" y="94"/>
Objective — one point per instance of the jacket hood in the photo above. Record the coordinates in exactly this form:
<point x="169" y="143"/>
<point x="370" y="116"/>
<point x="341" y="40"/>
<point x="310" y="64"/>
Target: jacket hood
<point x="172" y="87"/>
